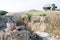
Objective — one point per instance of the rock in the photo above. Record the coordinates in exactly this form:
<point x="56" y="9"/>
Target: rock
<point x="45" y="36"/>
<point x="42" y="34"/>
<point x="17" y="35"/>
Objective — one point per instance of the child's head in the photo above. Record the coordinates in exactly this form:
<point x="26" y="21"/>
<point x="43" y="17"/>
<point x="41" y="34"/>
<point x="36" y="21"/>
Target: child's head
<point x="13" y="22"/>
<point x="9" y="21"/>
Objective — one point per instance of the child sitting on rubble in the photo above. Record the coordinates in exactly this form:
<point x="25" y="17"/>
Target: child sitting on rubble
<point x="13" y="26"/>
<point x="9" y="25"/>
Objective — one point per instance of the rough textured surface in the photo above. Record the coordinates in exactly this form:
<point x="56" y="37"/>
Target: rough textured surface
<point x="15" y="35"/>
<point x="52" y="22"/>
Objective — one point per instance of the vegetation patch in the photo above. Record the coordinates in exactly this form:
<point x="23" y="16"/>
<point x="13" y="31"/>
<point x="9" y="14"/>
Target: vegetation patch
<point x="42" y="14"/>
<point x="3" y="12"/>
<point x="28" y="16"/>
<point x="22" y="18"/>
<point x="0" y="26"/>
<point x="0" y="18"/>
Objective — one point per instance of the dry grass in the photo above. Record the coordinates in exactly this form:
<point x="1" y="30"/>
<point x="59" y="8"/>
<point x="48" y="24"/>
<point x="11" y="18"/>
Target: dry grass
<point x="53" y="21"/>
<point x="53" y="24"/>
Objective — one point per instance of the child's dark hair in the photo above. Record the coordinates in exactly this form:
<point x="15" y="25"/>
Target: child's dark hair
<point x="13" y="21"/>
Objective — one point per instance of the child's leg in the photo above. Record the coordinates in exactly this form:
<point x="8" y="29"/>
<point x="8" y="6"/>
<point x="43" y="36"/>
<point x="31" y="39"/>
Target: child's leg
<point x="3" y="37"/>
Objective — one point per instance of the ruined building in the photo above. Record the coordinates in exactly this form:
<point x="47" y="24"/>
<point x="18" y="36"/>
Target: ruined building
<point x="51" y="7"/>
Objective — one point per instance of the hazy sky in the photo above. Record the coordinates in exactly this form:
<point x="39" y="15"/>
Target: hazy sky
<point x="23" y="5"/>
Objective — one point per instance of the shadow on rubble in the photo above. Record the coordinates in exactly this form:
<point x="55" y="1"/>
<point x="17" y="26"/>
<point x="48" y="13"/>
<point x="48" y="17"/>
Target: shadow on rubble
<point x="34" y="36"/>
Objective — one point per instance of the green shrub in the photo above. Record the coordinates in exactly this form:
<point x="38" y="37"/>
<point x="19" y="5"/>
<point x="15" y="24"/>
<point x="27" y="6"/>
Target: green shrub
<point x="0" y="26"/>
<point x="28" y="16"/>
<point x="0" y="18"/>
<point x="42" y="15"/>
<point x="22" y="18"/>
<point x="2" y="12"/>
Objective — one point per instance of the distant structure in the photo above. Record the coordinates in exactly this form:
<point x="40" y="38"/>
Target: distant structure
<point x="51" y="7"/>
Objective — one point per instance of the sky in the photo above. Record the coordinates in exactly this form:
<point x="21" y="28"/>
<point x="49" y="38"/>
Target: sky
<point x="24" y="5"/>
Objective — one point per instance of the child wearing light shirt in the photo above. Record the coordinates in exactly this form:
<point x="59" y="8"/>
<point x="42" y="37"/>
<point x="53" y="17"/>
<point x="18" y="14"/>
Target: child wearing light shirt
<point x="9" y="25"/>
